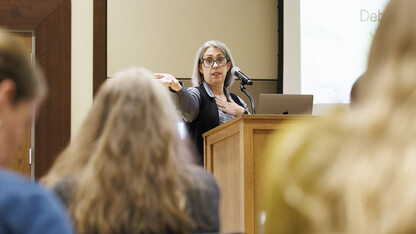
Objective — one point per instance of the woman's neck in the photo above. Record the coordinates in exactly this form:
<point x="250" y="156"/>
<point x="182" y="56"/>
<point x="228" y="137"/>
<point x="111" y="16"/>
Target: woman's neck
<point x="218" y="90"/>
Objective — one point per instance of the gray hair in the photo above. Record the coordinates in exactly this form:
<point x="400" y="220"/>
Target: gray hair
<point x="197" y="77"/>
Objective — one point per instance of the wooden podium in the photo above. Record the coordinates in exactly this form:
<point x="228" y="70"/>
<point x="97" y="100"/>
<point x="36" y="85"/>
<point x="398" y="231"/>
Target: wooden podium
<point x="233" y="154"/>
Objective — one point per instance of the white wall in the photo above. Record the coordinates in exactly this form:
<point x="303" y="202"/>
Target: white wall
<point x="81" y="61"/>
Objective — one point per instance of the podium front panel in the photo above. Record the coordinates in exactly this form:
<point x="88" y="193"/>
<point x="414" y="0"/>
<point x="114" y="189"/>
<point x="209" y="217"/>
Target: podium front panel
<point x="228" y="175"/>
<point x="233" y="153"/>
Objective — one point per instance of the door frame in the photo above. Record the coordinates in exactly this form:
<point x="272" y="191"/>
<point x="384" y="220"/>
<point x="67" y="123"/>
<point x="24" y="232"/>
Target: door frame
<point x="100" y="44"/>
<point x="51" y="22"/>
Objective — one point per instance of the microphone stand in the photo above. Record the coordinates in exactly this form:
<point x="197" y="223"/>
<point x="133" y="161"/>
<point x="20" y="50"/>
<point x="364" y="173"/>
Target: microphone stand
<point x="243" y="88"/>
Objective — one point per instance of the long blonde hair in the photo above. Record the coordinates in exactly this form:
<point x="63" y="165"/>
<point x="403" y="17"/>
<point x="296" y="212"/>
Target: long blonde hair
<point x="127" y="159"/>
<point x="353" y="171"/>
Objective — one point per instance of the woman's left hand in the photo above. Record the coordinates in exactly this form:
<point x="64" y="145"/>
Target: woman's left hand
<point x="230" y="107"/>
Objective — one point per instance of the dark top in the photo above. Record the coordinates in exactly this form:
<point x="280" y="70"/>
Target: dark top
<point x="207" y="119"/>
<point x="201" y="113"/>
<point x="202" y="198"/>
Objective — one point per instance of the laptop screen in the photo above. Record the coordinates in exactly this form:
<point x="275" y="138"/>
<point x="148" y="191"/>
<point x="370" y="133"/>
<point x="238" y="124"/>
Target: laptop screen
<point x="286" y="104"/>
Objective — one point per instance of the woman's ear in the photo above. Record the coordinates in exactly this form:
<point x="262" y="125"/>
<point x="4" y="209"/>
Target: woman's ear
<point x="7" y="91"/>
<point x="228" y="65"/>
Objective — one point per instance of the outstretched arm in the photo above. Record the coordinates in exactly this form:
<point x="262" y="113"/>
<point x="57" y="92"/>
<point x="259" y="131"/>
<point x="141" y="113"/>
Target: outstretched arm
<point x="187" y="101"/>
<point x="169" y="80"/>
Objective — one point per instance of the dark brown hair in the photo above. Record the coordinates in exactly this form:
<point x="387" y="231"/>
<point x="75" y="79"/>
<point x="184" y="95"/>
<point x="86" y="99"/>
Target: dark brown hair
<point x="17" y="66"/>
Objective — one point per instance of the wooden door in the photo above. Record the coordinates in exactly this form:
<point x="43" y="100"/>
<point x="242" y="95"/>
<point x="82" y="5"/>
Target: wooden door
<point x="21" y="162"/>
<point x="50" y="22"/>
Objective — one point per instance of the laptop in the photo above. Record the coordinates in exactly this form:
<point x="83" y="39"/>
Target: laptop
<point x="285" y="104"/>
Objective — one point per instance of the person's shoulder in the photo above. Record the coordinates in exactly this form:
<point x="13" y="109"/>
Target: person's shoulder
<point x="13" y="182"/>
<point x="6" y="175"/>
<point x="64" y="189"/>
<point x="202" y="178"/>
<point x="198" y="171"/>
<point x="194" y="89"/>
<point x="19" y="190"/>
<point x="22" y="200"/>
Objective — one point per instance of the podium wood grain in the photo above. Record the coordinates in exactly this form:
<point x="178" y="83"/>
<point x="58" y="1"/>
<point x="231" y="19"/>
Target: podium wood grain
<point x="233" y="154"/>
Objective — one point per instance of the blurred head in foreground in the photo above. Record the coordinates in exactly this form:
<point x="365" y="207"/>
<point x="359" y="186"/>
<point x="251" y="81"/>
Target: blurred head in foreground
<point x="127" y="160"/>
<point x="22" y="88"/>
<point x="353" y="172"/>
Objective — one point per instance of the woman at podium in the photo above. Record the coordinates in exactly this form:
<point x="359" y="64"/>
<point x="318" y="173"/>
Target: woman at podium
<point x="208" y="103"/>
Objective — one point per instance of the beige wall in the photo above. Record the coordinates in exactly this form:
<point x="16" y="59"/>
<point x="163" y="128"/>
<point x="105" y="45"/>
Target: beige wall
<point x="81" y="63"/>
<point x="164" y="35"/>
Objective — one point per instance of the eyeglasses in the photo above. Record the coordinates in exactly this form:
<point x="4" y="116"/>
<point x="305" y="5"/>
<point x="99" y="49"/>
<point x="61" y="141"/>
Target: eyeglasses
<point x="209" y="62"/>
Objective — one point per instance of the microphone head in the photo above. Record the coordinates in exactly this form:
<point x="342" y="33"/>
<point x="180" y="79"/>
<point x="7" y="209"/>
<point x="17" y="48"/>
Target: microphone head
<point x="235" y="69"/>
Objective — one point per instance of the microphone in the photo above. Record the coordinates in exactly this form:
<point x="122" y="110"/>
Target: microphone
<point x="243" y="78"/>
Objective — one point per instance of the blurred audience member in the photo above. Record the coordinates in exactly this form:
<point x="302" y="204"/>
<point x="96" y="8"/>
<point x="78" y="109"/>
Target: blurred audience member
<point x="354" y="172"/>
<point x="128" y="171"/>
<point x="24" y="207"/>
